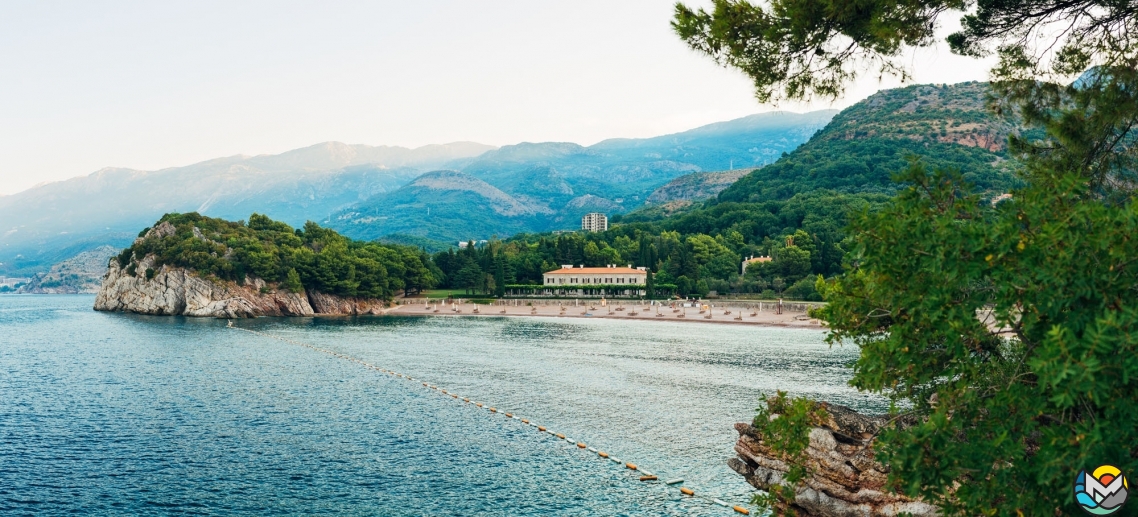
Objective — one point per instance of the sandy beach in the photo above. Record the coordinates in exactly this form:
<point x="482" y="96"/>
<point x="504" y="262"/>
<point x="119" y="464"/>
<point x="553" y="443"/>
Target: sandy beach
<point x="726" y="314"/>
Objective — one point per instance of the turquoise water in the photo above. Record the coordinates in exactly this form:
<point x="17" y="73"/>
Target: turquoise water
<point x="121" y="414"/>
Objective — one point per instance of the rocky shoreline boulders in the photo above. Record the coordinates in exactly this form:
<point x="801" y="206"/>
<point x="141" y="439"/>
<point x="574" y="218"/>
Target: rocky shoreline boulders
<point x="844" y="479"/>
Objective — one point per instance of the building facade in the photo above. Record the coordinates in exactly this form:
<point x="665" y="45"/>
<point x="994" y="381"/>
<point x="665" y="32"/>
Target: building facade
<point x="595" y="222"/>
<point x="608" y="281"/>
<point x="753" y="260"/>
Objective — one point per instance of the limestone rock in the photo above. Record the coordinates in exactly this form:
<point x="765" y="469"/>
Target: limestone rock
<point x="844" y="481"/>
<point x="180" y="292"/>
<point x="329" y="304"/>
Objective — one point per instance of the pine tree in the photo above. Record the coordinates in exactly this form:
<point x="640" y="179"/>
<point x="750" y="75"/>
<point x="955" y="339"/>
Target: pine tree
<point x="292" y="281"/>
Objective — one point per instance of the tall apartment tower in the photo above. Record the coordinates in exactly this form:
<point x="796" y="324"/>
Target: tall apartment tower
<point x="595" y="222"/>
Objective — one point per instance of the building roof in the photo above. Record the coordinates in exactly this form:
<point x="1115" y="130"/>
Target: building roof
<point x="757" y="259"/>
<point x="596" y="271"/>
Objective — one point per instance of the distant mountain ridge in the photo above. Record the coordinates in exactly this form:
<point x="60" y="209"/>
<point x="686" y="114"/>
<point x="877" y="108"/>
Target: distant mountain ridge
<point x="561" y="181"/>
<point x="370" y="191"/>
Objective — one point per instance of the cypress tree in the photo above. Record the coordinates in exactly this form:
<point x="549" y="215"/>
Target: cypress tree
<point x="500" y="278"/>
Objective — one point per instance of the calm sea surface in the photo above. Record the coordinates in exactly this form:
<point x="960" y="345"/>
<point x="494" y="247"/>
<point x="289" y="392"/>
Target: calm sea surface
<point x="111" y="414"/>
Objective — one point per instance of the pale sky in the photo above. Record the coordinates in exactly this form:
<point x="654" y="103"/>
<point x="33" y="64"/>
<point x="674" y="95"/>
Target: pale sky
<point x="148" y="85"/>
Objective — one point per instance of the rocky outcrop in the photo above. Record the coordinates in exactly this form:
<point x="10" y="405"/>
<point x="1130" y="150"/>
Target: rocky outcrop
<point x="844" y="478"/>
<point x="696" y="186"/>
<point x="328" y="304"/>
<point x="180" y="292"/>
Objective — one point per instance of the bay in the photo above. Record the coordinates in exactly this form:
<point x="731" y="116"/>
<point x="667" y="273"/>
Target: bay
<point x="110" y="414"/>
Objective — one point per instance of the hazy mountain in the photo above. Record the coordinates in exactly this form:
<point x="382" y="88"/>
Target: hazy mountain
<point x="374" y="192"/>
<point x="51" y="222"/>
<point x="441" y="205"/>
<point x="750" y="141"/>
<point x="562" y="181"/>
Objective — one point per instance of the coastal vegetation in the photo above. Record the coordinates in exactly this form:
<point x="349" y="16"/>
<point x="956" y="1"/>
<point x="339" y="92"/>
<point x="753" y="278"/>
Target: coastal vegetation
<point x="1003" y="332"/>
<point x="308" y="258"/>
<point x="690" y="254"/>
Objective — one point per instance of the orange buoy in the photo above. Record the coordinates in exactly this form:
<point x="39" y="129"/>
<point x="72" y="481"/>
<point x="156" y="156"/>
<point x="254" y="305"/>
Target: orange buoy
<point x="509" y="415"/>
<point x="648" y="478"/>
<point x="687" y="491"/>
<point x="424" y="384"/>
<point x="559" y="435"/>
<point x="631" y="466"/>
<point x="492" y="410"/>
<point x="453" y="396"/>
<point x="479" y="404"/>
<point x="742" y="510"/>
<point x="464" y="399"/>
<point x="580" y="446"/>
<point x="603" y="454"/>
<point x="524" y="421"/>
<point x="540" y="428"/>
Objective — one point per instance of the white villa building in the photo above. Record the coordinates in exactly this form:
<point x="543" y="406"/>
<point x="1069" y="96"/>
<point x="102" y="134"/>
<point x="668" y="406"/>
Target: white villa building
<point x="610" y="281"/>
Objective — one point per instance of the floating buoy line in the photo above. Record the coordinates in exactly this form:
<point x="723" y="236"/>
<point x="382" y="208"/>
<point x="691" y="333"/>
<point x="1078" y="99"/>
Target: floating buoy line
<point x="645" y="475"/>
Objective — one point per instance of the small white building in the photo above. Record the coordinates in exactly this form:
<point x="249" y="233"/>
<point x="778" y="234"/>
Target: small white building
<point x="595" y="222"/>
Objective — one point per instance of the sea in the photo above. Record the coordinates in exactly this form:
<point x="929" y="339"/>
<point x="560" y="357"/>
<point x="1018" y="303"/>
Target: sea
<point x="120" y="414"/>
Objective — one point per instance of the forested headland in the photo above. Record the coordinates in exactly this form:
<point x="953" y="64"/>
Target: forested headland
<point x="310" y="258"/>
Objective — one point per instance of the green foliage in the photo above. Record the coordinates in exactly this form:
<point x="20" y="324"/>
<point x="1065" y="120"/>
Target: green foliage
<point x="797" y="49"/>
<point x="1007" y="331"/>
<point x="689" y="251"/>
<point x="784" y="46"/>
<point x="292" y="281"/>
<point x="939" y="275"/>
<point x="309" y="258"/>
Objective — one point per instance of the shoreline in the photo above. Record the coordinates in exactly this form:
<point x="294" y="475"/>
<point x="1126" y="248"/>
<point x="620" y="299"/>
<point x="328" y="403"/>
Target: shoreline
<point x="765" y="318"/>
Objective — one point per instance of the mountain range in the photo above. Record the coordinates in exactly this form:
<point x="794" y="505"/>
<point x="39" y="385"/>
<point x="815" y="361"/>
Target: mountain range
<point x="430" y="194"/>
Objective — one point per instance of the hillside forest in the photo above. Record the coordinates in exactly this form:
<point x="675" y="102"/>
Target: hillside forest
<point x="795" y="211"/>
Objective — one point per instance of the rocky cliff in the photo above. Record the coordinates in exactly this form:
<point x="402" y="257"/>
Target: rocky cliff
<point x="844" y="478"/>
<point x="180" y="292"/>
